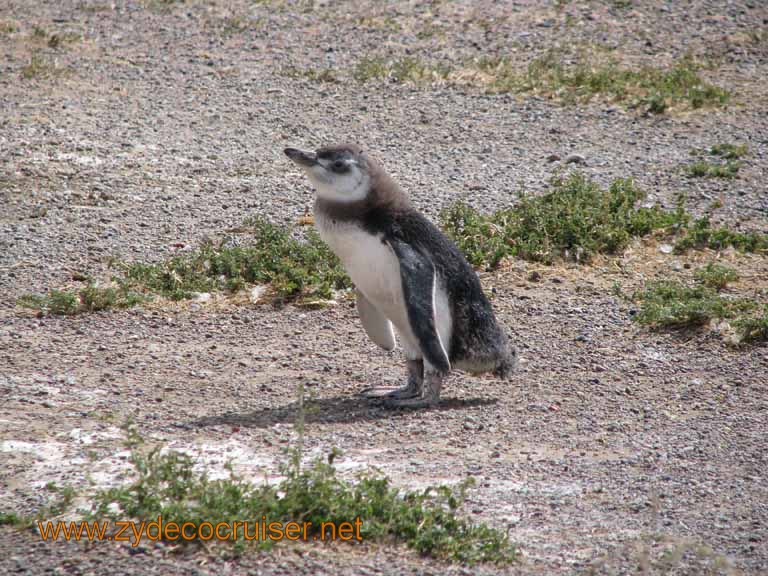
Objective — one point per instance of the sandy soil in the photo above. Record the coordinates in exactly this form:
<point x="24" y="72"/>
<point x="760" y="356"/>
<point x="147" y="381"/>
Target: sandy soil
<point x="614" y="450"/>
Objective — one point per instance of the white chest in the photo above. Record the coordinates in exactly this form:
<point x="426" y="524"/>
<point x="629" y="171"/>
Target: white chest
<point x="374" y="268"/>
<point x="371" y="264"/>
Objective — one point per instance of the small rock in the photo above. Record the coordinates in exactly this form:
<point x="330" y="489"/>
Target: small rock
<point x="575" y="159"/>
<point x="553" y="158"/>
<point x="666" y="248"/>
<point x="534" y="276"/>
<point x="202" y="296"/>
<point x="257" y="293"/>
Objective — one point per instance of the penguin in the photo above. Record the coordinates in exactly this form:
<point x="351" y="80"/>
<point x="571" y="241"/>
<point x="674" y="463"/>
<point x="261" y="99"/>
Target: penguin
<point x="410" y="279"/>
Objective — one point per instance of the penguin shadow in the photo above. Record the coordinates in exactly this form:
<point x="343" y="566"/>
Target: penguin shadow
<point x="334" y="410"/>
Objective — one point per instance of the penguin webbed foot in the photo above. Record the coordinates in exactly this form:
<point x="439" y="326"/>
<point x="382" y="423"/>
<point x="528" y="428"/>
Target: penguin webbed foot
<point x="418" y="402"/>
<point x="408" y="391"/>
<point x="428" y="398"/>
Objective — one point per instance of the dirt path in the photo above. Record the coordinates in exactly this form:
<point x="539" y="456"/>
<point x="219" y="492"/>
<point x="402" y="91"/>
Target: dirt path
<point x="614" y="449"/>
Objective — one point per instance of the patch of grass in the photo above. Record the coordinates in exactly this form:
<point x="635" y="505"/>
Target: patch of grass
<point x="12" y="519"/>
<point x="729" y="151"/>
<point x="428" y="29"/>
<point x="55" y="39"/>
<point x="727" y="162"/>
<point x="715" y="276"/>
<point x="95" y="7"/>
<point x="383" y="23"/>
<point x="8" y="27"/>
<point x="57" y="302"/>
<point x="753" y="328"/>
<point x="575" y="220"/>
<point x="701" y="234"/>
<point x="63" y="496"/>
<point x="408" y="69"/>
<point x="371" y="69"/>
<point x="39" y="66"/>
<point x="92" y="298"/>
<point x="316" y="75"/>
<point x="581" y="78"/>
<point x="293" y="268"/>
<point x="162" y="5"/>
<point x="564" y="76"/>
<point x="704" y="169"/>
<point x="63" y="500"/>
<point x="428" y="521"/>
<point x="234" y="25"/>
<point x="673" y="304"/>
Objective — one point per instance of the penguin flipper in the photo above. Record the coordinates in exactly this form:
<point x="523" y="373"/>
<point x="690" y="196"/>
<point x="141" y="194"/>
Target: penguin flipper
<point x="376" y="325"/>
<point x="419" y="279"/>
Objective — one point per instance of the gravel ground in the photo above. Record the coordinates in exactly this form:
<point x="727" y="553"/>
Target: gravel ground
<point x="613" y="450"/>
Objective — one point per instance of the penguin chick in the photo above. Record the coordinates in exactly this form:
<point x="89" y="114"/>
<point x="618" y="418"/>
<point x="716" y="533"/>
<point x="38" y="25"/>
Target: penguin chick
<point x="409" y="277"/>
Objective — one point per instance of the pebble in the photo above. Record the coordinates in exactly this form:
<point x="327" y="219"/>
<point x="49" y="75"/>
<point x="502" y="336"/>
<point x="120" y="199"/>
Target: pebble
<point x="575" y="159"/>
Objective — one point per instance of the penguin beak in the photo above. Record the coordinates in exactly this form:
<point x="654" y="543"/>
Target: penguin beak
<point x="300" y="157"/>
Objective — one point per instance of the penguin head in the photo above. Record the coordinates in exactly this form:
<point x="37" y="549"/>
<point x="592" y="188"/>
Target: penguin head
<point x="338" y="173"/>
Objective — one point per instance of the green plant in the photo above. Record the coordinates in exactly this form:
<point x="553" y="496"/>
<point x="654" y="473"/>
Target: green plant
<point x="715" y="276"/>
<point x="581" y="77"/>
<point x="575" y="220"/>
<point x="704" y="169"/>
<point x="729" y="151"/>
<point x="383" y="23"/>
<point x="726" y="166"/>
<point x="234" y="25"/>
<point x="753" y="328"/>
<point x="293" y="268"/>
<point x="672" y="304"/>
<point x="11" y="519"/>
<point x="161" y="5"/>
<point x="316" y="75"/>
<point x="63" y="500"/>
<point x="166" y="484"/>
<point x="39" y="67"/>
<point x="91" y="298"/>
<point x="55" y="39"/>
<point x="701" y="234"/>
<point x="56" y="302"/>
<point x="408" y="69"/>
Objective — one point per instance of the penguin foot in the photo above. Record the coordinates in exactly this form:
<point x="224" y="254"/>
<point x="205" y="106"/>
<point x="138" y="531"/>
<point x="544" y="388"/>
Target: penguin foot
<point x="406" y="392"/>
<point x="411" y="402"/>
<point x="429" y="397"/>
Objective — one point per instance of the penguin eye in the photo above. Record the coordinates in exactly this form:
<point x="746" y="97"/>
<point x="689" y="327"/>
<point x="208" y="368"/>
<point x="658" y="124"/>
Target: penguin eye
<point x="339" y="166"/>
